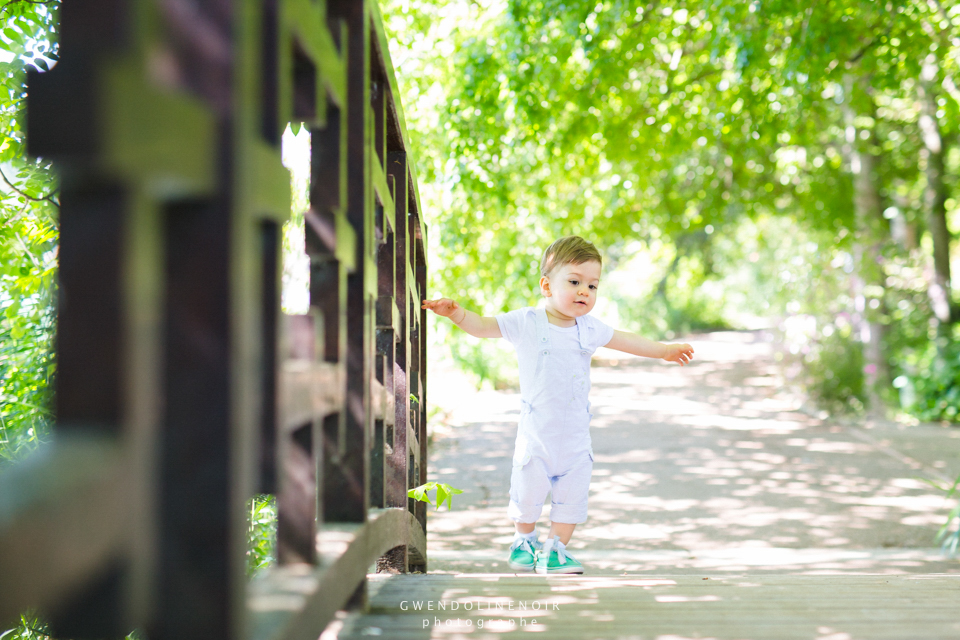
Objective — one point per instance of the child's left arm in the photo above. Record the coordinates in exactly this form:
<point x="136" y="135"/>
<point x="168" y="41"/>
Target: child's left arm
<point x="640" y="346"/>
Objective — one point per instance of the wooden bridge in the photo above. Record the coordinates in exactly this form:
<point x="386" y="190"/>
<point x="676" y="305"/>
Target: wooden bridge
<point x="182" y="390"/>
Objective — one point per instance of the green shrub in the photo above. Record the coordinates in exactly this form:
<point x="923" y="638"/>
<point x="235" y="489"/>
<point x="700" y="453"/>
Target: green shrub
<point x="261" y="533"/>
<point x="491" y="361"/>
<point x="833" y="371"/>
<point x="930" y="385"/>
<point x="33" y="627"/>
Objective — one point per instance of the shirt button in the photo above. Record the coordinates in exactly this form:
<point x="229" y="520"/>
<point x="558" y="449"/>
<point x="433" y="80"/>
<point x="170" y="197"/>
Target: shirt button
<point x="583" y="353"/>
<point x="544" y="353"/>
<point x="543" y="339"/>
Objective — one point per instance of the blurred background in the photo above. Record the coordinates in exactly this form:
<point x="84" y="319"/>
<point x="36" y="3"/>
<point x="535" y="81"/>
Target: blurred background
<point x="769" y="165"/>
<point x="782" y="165"/>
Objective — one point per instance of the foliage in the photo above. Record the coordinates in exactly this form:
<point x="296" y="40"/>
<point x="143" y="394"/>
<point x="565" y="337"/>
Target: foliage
<point x="30" y="628"/>
<point x="930" y="388"/>
<point x="488" y="361"/>
<point x="835" y="371"/>
<point x="674" y="130"/>
<point x="33" y="627"/>
<point x="28" y="239"/>
<point x="261" y="533"/>
<point x="949" y="534"/>
<point x="444" y="493"/>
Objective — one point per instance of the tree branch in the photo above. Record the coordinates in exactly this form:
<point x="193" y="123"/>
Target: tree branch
<point x="48" y="198"/>
<point x="859" y="54"/>
<point x="13" y="2"/>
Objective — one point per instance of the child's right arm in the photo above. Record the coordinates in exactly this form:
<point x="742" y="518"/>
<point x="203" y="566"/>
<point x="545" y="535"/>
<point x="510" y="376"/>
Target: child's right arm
<point x="474" y="324"/>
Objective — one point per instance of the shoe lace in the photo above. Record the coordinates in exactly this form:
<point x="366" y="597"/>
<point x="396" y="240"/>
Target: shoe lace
<point x="562" y="555"/>
<point x="522" y="543"/>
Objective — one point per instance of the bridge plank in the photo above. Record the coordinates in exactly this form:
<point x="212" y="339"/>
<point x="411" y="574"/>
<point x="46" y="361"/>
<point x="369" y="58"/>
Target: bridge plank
<point x="295" y="602"/>
<point x="583" y="607"/>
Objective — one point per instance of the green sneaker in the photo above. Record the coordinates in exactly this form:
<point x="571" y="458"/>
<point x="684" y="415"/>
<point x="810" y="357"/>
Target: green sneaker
<point x="523" y="554"/>
<point x="553" y="558"/>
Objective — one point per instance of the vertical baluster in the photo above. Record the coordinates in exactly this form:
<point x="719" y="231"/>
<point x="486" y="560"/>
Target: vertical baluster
<point x="395" y="490"/>
<point x="90" y="348"/>
<point x="419" y="471"/>
<point x="345" y="482"/>
<point x="421" y="276"/>
<point x="195" y="501"/>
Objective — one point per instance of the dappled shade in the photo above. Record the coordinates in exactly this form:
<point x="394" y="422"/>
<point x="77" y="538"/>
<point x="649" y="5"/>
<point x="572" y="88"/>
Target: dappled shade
<point x="715" y="466"/>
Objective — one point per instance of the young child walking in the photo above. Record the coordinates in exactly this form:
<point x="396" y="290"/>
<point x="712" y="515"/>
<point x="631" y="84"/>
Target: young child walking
<point x="554" y="345"/>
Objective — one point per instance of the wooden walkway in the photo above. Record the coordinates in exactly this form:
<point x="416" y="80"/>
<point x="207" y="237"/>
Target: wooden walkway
<point x="718" y="510"/>
<point x="846" y="607"/>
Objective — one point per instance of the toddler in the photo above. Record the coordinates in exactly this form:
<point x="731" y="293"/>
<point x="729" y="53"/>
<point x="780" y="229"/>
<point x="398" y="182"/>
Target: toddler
<point x="554" y="345"/>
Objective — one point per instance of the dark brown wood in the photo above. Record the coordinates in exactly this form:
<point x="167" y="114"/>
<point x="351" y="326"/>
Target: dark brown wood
<point x="270" y="86"/>
<point x="297" y="519"/>
<point x="195" y="497"/>
<point x="345" y="482"/>
<point x="270" y="278"/>
<point x="182" y="390"/>
<point x="378" y="91"/>
<point x="419" y="475"/>
<point x="421" y="373"/>
<point x="396" y="486"/>
<point x="89" y="339"/>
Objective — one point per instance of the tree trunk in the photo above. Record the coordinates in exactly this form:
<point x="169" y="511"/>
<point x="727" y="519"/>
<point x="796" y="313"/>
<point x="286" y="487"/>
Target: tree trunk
<point x="935" y="198"/>
<point x="872" y="232"/>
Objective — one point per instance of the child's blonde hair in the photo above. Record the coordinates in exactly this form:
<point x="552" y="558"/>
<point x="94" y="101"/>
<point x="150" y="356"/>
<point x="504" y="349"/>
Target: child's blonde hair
<point x="569" y="250"/>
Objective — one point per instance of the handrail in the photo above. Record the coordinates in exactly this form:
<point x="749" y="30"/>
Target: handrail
<point x="182" y="390"/>
<point x="295" y="600"/>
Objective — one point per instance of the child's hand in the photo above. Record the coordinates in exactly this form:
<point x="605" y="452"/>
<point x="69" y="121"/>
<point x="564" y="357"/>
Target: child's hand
<point x="679" y="353"/>
<point x="443" y="307"/>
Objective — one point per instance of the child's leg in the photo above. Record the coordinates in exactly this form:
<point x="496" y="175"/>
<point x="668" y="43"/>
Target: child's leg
<point x="525" y="527"/>
<point x="562" y="529"/>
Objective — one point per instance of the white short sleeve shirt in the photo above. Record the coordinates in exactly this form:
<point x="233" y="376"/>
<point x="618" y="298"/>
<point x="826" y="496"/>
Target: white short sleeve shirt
<point x="519" y="325"/>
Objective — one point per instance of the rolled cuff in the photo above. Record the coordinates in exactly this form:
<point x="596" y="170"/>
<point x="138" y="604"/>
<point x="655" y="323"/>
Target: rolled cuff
<point x="524" y="513"/>
<point x="568" y="513"/>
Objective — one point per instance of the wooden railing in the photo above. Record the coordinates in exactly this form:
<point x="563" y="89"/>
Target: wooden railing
<point x="181" y="389"/>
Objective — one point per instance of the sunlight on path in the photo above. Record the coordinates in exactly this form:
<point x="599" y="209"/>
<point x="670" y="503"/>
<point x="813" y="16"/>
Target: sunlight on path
<point x="710" y="466"/>
<point x="658" y="608"/>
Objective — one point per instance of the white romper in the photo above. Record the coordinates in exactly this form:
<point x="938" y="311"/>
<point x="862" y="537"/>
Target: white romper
<point x="553" y="451"/>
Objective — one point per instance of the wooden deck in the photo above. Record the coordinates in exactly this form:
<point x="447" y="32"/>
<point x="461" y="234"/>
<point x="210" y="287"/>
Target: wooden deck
<point x="717" y="510"/>
<point x="645" y="607"/>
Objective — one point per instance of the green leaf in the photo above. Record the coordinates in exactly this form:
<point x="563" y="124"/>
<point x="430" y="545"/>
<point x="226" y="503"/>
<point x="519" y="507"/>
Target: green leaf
<point x="13" y="35"/>
<point x="444" y="493"/>
<point x="420" y="493"/>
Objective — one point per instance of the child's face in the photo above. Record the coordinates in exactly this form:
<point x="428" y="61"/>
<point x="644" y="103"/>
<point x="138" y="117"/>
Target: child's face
<point x="571" y="289"/>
